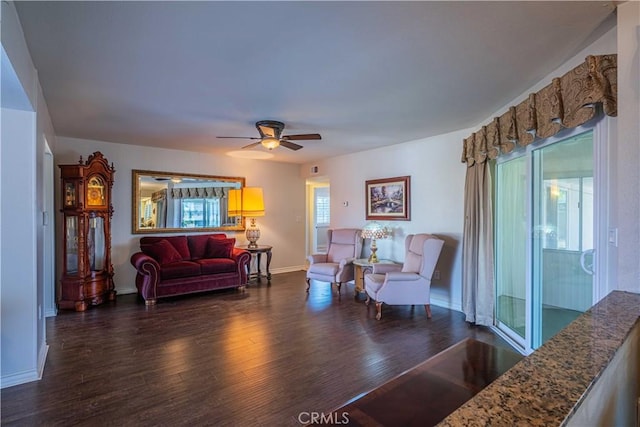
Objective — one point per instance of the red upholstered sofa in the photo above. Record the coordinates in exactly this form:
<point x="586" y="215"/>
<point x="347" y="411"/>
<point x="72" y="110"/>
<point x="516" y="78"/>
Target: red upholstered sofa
<point x="177" y="265"/>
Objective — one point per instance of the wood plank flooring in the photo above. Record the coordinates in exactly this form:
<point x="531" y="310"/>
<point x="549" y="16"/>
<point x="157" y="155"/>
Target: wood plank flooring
<point x="258" y="358"/>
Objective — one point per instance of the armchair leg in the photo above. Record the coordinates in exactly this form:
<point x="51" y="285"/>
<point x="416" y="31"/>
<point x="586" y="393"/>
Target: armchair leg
<point x="338" y="285"/>
<point x="427" y="308"/>
<point x="379" y="310"/>
<point x="308" y="284"/>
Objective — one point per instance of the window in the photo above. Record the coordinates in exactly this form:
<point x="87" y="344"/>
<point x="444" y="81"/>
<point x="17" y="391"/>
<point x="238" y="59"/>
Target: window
<point x="199" y="212"/>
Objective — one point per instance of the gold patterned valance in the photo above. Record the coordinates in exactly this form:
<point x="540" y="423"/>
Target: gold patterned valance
<point x="569" y="101"/>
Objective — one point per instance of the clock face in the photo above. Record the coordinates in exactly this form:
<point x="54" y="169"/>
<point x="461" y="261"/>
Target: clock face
<point x="95" y="192"/>
<point x="94" y="197"/>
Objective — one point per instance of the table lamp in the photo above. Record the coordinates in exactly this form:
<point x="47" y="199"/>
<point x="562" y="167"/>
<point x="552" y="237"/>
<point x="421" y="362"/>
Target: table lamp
<point x="374" y="231"/>
<point x="252" y="207"/>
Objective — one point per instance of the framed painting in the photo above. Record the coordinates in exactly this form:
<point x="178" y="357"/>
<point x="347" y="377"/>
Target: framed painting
<point x="388" y="199"/>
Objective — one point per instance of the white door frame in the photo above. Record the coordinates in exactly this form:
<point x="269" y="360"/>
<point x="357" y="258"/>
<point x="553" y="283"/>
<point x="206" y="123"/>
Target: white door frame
<point x="602" y="128"/>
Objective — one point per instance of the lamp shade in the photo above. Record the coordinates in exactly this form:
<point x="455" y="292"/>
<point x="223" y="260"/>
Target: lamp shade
<point x="252" y="202"/>
<point x="234" y="205"/>
<point x="373" y="230"/>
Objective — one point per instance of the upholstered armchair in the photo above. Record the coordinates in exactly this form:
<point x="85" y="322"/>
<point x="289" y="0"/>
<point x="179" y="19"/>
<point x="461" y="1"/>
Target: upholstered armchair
<point x="408" y="283"/>
<point x="344" y="246"/>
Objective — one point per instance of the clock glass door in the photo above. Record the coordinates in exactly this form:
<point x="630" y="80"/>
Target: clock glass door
<point x="96" y="244"/>
<point x="71" y="248"/>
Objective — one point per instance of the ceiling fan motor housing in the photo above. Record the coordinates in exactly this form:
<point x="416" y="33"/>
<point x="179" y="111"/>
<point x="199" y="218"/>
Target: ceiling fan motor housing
<point x="275" y="126"/>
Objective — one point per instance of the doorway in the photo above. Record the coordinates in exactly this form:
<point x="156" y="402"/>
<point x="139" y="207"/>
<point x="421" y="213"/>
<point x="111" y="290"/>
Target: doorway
<point x="319" y="201"/>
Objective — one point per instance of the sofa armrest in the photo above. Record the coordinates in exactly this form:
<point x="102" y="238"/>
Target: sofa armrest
<point x="316" y="258"/>
<point x="148" y="276"/>
<point x="383" y="268"/>
<point x="242" y="258"/>
<point x="398" y="276"/>
<point x="346" y="261"/>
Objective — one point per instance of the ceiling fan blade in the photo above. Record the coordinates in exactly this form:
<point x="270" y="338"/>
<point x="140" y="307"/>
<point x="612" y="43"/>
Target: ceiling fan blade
<point x="252" y="145"/>
<point x="290" y="145"/>
<point x="238" y="137"/>
<point x="302" y="137"/>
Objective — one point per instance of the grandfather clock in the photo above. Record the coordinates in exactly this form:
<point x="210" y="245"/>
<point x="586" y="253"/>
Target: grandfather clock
<point x="87" y="273"/>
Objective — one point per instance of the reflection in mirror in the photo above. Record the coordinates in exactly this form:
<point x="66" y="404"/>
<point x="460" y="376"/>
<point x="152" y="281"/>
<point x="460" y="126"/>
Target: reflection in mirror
<point x="168" y="201"/>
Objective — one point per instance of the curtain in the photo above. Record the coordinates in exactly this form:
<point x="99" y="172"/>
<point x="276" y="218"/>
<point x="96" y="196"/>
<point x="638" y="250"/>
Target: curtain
<point x="477" y="247"/>
<point x="568" y="101"/>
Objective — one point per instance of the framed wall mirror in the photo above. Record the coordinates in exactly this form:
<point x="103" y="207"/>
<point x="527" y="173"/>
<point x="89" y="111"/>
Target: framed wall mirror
<point x="178" y="202"/>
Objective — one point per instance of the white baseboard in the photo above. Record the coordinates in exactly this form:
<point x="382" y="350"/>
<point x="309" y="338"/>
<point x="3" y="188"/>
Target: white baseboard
<point x="125" y="291"/>
<point x="42" y="359"/>
<point x="27" y="376"/>
<point x="446" y="304"/>
<point x="19" y="378"/>
<point x="287" y="269"/>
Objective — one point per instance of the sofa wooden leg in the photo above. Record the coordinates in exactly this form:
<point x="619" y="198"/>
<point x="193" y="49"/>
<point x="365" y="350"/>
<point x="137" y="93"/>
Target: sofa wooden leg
<point x="338" y="285"/>
<point x="308" y="284"/>
<point x="427" y="308"/>
<point x="378" y="310"/>
<point x="148" y="302"/>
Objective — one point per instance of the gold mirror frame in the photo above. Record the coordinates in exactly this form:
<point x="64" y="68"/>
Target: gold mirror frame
<point x="156" y="190"/>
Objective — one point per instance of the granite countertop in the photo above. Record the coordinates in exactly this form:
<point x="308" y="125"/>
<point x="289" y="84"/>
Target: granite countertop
<point x="546" y="387"/>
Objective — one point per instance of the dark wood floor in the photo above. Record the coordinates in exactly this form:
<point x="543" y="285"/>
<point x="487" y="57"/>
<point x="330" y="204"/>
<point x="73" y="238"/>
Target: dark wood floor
<point x="261" y="357"/>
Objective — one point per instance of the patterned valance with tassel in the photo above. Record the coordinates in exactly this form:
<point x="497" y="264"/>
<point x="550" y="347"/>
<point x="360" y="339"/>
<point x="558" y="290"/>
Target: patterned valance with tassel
<point x="569" y="101"/>
<point x="198" y="193"/>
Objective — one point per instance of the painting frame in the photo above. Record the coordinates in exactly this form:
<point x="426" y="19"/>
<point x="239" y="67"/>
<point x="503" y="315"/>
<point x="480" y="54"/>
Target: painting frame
<point x="398" y="206"/>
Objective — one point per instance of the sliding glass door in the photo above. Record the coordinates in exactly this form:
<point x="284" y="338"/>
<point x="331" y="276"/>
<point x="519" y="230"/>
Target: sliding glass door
<point x="511" y="247"/>
<point x="562" y="234"/>
<point x="544" y="238"/>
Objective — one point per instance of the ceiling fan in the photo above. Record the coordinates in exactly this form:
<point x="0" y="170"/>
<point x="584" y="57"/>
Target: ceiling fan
<point x="271" y="136"/>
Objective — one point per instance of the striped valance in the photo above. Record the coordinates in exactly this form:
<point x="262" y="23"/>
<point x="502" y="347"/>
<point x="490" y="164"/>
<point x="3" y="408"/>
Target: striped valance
<point x="567" y="102"/>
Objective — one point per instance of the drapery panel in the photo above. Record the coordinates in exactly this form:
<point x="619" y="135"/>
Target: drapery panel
<point x="477" y="247"/>
<point x="567" y="102"/>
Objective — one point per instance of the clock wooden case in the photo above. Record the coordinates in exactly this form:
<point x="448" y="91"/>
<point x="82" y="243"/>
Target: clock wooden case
<point x="87" y="273"/>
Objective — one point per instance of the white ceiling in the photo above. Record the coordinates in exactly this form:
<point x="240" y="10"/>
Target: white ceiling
<point x="362" y="74"/>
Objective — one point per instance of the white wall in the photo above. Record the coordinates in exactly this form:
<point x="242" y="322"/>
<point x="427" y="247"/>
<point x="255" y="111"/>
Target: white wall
<point x="25" y="125"/>
<point x="625" y="208"/>
<point x="19" y="294"/>
<point x="284" y="193"/>
<point x="437" y="187"/>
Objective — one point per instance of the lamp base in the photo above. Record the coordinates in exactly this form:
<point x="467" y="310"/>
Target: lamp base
<point x="373" y="258"/>
<point x="253" y="234"/>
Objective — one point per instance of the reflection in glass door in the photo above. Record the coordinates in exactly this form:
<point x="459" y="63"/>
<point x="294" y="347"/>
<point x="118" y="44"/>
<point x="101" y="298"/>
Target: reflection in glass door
<point x="562" y="234"/>
<point x="544" y="239"/>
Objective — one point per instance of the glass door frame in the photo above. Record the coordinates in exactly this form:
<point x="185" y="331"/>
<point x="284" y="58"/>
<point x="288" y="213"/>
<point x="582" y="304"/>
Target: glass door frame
<point x="602" y="128"/>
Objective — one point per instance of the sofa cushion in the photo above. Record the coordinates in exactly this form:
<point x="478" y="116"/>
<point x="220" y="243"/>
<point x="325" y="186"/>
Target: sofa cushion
<point x="178" y="242"/>
<point x="180" y="269"/>
<point x="219" y="248"/>
<point x="198" y="244"/>
<point x="217" y="265"/>
<point x="162" y="251"/>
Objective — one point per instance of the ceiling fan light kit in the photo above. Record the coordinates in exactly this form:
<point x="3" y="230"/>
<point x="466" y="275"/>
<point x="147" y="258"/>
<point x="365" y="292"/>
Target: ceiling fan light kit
<point x="271" y="136"/>
<point x="270" y="143"/>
